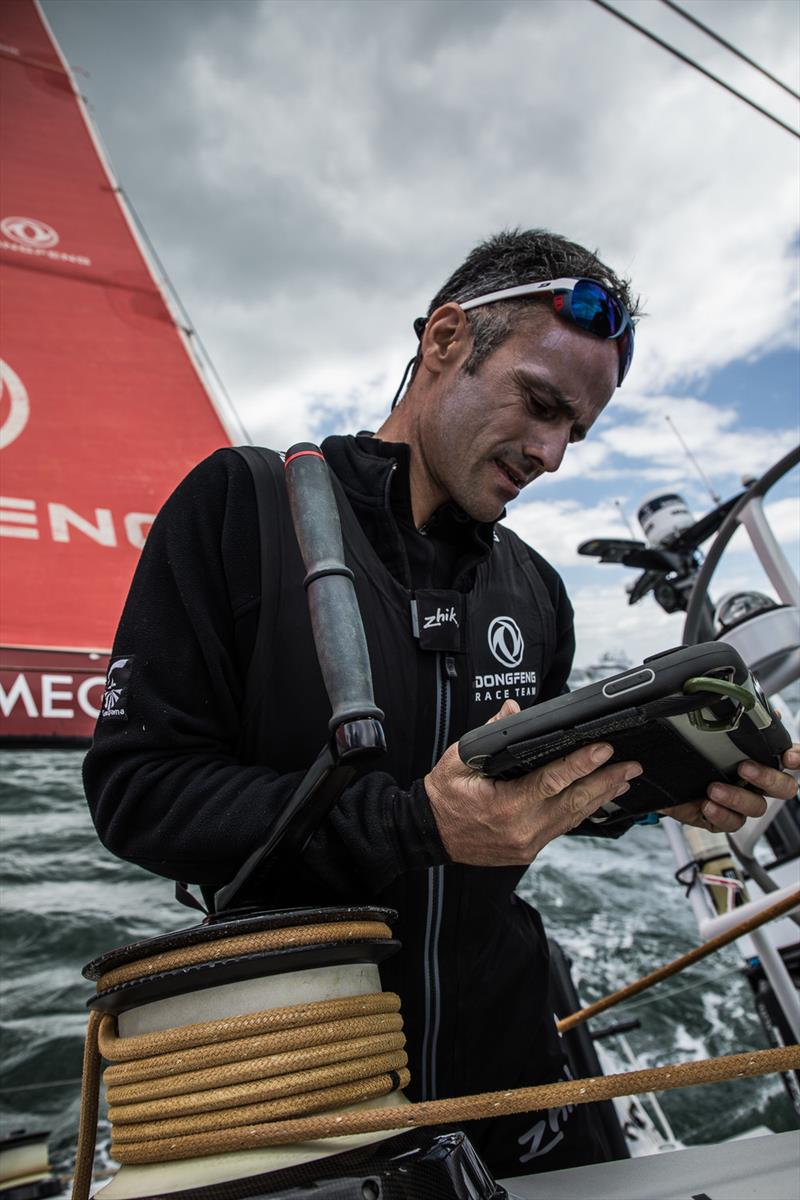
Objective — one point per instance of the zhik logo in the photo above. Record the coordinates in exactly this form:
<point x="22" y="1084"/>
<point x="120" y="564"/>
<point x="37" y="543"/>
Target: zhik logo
<point x="442" y="616"/>
<point x="506" y="642"/>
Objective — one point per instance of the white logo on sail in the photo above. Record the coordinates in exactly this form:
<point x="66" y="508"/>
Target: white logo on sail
<point x="14" y="405"/>
<point x="27" y="231"/>
<point x="505" y="641"/>
<point x="37" y="239"/>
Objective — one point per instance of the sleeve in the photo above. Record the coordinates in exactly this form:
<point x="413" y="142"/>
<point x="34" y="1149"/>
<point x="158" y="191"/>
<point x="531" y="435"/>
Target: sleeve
<point x="162" y="778"/>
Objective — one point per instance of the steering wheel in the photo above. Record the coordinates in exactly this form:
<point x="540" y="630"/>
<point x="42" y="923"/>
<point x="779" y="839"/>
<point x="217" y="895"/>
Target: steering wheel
<point x="697" y="604"/>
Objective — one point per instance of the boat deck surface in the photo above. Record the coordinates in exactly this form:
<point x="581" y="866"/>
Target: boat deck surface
<point x="760" y="1168"/>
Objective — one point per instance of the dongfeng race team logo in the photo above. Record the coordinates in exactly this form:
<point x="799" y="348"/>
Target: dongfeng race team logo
<point x="14" y="405"/>
<point x="505" y="641"/>
<point x="36" y="239"/>
<point x="27" y="231"/>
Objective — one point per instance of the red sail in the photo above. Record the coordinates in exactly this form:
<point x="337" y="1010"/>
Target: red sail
<point x="101" y="408"/>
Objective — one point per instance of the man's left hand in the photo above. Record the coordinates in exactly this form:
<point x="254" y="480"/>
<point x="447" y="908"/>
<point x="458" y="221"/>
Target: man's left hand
<point x="726" y="807"/>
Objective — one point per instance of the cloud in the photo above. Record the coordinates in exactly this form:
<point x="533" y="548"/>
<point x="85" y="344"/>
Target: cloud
<point x="605" y="622"/>
<point x="642" y="441"/>
<point x="648" y="438"/>
<point x="311" y="172"/>
<point x="555" y="528"/>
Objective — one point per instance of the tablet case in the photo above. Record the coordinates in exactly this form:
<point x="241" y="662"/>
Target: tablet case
<point x="685" y="733"/>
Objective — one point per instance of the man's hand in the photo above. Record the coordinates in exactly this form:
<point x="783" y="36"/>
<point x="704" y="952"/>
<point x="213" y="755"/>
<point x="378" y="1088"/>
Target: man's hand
<point x="488" y="823"/>
<point x="727" y="807"/>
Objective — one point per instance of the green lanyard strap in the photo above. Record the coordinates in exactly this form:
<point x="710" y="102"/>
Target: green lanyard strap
<point x="745" y="700"/>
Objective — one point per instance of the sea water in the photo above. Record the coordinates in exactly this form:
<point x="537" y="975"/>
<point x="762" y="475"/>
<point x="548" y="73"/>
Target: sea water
<point x="614" y="906"/>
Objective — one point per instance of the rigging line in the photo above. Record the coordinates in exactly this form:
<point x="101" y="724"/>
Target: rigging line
<point x="690" y="61"/>
<point x="203" y="360"/>
<point x="715" y="496"/>
<point x="188" y="327"/>
<point x="687" y="16"/>
<point x="34" y="1087"/>
<point x="761" y="917"/>
<point x="703" y="982"/>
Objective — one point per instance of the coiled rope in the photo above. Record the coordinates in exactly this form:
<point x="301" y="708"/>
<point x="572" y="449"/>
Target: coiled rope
<point x="273" y="1077"/>
<point x="205" y="1081"/>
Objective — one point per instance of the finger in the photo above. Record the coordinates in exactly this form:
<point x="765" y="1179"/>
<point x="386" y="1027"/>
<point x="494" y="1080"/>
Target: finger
<point x="688" y="814"/>
<point x="736" y="799"/>
<point x="509" y="708"/>
<point x="791" y="758"/>
<point x="583" y="797"/>
<point x="560" y="774"/>
<point x="589" y="794"/>
<point x="717" y="818"/>
<point x="769" y="780"/>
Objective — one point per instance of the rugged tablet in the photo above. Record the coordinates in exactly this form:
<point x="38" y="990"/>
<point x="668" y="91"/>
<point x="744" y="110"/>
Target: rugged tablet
<point x="689" y="715"/>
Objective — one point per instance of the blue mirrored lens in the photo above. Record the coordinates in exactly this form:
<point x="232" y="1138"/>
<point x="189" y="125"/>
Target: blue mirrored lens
<point x="595" y="310"/>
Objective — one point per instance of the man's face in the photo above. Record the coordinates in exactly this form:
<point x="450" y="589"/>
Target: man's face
<point x="488" y="435"/>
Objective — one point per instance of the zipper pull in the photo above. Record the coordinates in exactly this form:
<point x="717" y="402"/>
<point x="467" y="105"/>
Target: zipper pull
<point x="414" y="619"/>
<point x="450" y="666"/>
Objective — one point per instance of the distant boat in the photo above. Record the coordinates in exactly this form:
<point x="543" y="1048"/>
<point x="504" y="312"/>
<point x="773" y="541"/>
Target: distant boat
<point x="102" y="407"/>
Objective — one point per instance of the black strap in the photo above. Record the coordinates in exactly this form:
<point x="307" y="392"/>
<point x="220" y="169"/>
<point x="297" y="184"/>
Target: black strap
<point x="272" y="509"/>
<point x="545" y="747"/>
<point x="184" y="896"/>
<point x="266" y="468"/>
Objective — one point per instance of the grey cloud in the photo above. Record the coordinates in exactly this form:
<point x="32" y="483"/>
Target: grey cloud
<point x="385" y="67"/>
<point x="311" y="170"/>
<point x="330" y="161"/>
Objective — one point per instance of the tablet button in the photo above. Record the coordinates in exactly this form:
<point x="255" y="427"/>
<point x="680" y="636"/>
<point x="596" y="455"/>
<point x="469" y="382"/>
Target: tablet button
<point x="664" y="653"/>
<point x="628" y="682"/>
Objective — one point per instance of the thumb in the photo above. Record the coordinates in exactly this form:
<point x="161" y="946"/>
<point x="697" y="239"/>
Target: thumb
<point x="509" y="708"/>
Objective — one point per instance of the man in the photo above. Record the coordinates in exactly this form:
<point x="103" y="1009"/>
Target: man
<point x="224" y="708"/>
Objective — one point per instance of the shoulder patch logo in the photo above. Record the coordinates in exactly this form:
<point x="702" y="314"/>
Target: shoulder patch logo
<point x="115" y="697"/>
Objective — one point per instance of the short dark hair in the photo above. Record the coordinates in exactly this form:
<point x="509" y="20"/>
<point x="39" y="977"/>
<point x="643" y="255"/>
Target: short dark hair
<point x="509" y="259"/>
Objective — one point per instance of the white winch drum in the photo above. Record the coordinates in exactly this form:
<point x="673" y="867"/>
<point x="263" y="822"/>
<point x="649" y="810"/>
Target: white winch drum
<point x="269" y="980"/>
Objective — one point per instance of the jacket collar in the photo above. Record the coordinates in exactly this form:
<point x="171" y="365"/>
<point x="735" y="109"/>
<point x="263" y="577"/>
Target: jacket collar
<point x="375" y="474"/>
<point x="375" y="477"/>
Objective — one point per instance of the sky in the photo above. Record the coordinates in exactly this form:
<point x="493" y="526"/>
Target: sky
<point x="310" y="171"/>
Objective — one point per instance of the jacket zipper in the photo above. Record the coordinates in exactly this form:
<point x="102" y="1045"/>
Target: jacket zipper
<point x="445" y="674"/>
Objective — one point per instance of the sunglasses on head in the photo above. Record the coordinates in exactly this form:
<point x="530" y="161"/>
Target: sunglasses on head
<point x="585" y="302"/>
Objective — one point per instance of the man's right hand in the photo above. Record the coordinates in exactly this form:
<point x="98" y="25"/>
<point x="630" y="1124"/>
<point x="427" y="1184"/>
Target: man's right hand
<point x="493" y="823"/>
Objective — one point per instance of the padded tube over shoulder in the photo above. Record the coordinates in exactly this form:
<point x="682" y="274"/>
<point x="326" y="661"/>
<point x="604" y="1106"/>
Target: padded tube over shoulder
<point x="333" y="607"/>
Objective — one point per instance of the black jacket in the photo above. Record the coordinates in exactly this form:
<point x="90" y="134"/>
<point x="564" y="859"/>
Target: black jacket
<point x="186" y="773"/>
